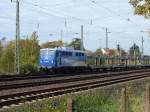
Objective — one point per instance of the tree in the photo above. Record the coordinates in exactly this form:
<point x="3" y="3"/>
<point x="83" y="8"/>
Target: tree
<point x="0" y="48"/>
<point x="135" y="50"/>
<point x="142" y="7"/>
<point x="7" y="58"/>
<point x="98" y="52"/>
<point x="53" y="44"/>
<point x="76" y="44"/>
<point x="2" y="41"/>
<point x="35" y="48"/>
<point x="123" y="52"/>
<point x="29" y="55"/>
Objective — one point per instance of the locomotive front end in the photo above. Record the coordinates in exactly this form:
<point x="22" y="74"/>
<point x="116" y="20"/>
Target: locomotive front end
<point x="47" y="59"/>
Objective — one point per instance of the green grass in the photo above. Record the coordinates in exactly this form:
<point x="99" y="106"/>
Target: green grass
<point x="95" y="102"/>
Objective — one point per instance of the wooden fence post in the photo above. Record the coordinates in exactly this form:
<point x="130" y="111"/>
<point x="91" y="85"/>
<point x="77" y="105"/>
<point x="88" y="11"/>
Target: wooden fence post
<point x="69" y="104"/>
<point x="123" y="100"/>
<point x="147" y="98"/>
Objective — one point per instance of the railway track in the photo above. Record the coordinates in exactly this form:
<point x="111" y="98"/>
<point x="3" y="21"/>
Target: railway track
<point x="39" y="75"/>
<point x="52" y="80"/>
<point x="62" y="86"/>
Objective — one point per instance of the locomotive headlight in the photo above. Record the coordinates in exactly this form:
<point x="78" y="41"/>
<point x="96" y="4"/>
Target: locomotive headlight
<point x="41" y="61"/>
<point x="52" y="61"/>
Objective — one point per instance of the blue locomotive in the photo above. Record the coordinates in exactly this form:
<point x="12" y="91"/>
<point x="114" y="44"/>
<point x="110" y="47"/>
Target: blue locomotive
<point x="76" y="60"/>
<point x="51" y="59"/>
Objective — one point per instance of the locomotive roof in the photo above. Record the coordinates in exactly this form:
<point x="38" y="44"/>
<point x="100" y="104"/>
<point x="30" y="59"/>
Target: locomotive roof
<point x="62" y="49"/>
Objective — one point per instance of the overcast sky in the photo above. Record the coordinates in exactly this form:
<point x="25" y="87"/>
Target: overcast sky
<point x="52" y="16"/>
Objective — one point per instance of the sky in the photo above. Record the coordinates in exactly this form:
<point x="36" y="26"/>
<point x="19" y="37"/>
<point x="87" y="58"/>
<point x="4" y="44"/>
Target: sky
<point x="51" y="17"/>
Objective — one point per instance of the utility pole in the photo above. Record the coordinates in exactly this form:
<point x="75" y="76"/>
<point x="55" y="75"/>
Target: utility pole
<point x="118" y="49"/>
<point x="38" y="25"/>
<point x="100" y="43"/>
<point x="61" y="35"/>
<point x="65" y="23"/>
<point x="107" y="38"/>
<point x="142" y="47"/>
<point x="82" y="46"/>
<point x="61" y="38"/>
<point x="17" y="45"/>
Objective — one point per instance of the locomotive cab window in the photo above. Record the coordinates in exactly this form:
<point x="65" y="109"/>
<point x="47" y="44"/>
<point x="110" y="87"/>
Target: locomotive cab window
<point x="76" y="54"/>
<point x="64" y="53"/>
<point x="79" y="54"/>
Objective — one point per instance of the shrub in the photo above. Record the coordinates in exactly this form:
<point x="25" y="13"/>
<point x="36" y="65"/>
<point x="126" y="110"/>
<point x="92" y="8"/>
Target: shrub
<point x="28" y="68"/>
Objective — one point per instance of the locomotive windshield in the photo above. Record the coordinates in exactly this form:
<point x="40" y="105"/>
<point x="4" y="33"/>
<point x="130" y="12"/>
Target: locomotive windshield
<point x="51" y="52"/>
<point x="43" y="52"/>
<point x="47" y="52"/>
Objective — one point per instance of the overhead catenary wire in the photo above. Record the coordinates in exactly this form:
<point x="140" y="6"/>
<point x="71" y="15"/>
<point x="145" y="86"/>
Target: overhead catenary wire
<point x="13" y="20"/>
<point x="50" y="5"/>
<point x="68" y="16"/>
<point x="47" y="11"/>
<point x="54" y="12"/>
<point x="114" y="13"/>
